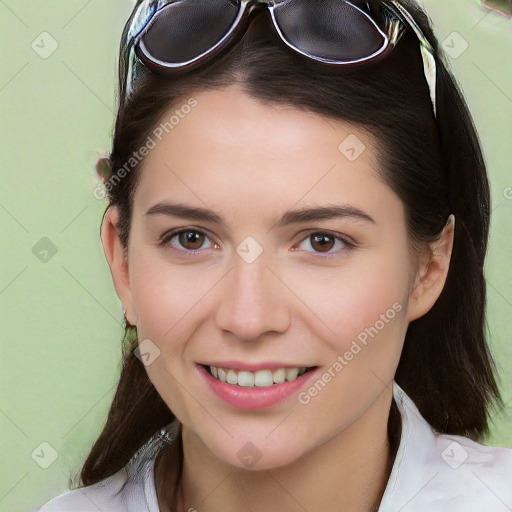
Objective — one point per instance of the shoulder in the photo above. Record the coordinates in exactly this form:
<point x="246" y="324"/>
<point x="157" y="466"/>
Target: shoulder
<point x="443" y="472"/>
<point x="104" y="495"/>
<point x="490" y="465"/>
<point x="131" y="489"/>
<point x="468" y="475"/>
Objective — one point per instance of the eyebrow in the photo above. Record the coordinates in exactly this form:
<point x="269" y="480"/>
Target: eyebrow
<point x="302" y="215"/>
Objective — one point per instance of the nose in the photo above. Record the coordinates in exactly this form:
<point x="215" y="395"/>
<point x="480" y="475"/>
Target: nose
<point x="253" y="301"/>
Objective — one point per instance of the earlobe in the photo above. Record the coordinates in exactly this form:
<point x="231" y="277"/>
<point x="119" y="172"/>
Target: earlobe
<point x="432" y="273"/>
<point x="117" y="261"/>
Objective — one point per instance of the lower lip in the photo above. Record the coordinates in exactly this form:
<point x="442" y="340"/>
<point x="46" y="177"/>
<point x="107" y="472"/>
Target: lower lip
<point x="254" y="397"/>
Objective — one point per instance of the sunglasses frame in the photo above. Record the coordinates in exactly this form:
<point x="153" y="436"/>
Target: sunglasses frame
<point x="133" y="50"/>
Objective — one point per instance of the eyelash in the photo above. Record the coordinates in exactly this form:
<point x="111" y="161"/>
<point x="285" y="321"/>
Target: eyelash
<point x="167" y="237"/>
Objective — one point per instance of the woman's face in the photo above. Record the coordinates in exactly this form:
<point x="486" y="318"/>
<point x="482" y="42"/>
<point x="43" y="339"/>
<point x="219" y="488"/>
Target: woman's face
<point x="252" y="284"/>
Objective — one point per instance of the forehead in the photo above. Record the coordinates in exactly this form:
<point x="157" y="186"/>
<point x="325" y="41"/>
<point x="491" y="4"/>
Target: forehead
<point x="230" y="149"/>
<point x="219" y="114"/>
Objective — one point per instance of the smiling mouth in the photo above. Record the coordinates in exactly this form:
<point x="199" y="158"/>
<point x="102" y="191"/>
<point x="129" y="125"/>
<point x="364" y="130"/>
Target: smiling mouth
<point x="260" y="378"/>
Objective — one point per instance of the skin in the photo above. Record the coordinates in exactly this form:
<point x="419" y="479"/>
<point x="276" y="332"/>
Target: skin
<point x="250" y="162"/>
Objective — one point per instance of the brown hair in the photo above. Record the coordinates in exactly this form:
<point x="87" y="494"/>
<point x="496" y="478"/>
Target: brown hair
<point x="436" y="168"/>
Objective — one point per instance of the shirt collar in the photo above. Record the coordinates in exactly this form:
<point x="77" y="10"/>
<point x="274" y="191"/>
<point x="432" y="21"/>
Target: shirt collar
<point x="444" y="472"/>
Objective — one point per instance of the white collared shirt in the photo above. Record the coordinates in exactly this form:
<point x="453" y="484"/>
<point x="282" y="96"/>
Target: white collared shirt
<point x="431" y="473"/>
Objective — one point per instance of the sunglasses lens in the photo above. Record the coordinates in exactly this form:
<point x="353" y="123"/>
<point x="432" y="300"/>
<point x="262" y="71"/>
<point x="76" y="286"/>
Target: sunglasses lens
<point x="183" y="30"/>
<point x="329" y="29"/>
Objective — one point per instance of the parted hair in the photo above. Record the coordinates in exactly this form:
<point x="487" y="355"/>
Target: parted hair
<point x="434" y="165"/>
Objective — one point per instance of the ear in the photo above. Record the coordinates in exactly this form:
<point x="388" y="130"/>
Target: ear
<point x="117" y="261"/>
<point x="432" y="272"/>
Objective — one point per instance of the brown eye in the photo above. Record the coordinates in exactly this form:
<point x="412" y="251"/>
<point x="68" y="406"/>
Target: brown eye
<point x="322" y="242"/>
<point x="192" y="240"/>
<point x="325" y="243"/>
<point x="188" y="242"/>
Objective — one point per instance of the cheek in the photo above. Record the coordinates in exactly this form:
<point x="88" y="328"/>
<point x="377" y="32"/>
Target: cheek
<point x="168" y="305"/>
<point x="163" y="296"/>
<point x="172" y="302"/>
<point x="365" y="310"/>
<point x="368" y="292"/>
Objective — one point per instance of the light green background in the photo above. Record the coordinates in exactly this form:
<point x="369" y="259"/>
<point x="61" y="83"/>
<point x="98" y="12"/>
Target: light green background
<point x="61" y="320"/>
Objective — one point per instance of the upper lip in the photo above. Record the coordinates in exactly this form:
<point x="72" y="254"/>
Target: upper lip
<point x="254" y="367"/>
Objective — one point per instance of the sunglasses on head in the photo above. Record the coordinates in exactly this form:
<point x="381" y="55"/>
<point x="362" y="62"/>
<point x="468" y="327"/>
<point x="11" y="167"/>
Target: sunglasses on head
<point x="169" y="36"/>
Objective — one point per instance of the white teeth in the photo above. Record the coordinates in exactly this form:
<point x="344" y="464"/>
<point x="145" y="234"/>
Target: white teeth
<point x="291" y="373"/>
<point x="260" y="378"/>
<point x="279" y="376"/>
<point x="245" y="379"/>
<point x="231" y="377"/>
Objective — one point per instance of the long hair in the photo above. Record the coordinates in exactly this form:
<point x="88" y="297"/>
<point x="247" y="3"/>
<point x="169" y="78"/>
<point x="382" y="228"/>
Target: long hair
<point x="434" y="165"/>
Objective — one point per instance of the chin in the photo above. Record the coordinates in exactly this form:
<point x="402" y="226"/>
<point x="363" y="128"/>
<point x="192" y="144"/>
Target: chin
<point x="256" y="455"/>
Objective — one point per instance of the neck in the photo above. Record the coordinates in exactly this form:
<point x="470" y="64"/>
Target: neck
<point x="349" y="470"/>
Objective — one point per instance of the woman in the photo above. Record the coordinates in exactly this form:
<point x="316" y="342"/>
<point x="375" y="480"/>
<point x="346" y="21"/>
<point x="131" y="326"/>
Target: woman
<point x="297" y="227"/>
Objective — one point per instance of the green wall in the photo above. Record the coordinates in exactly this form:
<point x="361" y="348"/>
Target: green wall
<point x="60" y="316"/>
